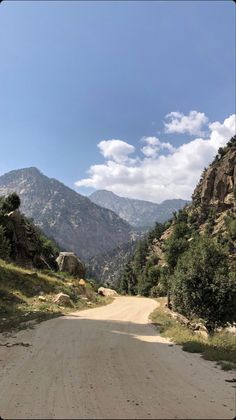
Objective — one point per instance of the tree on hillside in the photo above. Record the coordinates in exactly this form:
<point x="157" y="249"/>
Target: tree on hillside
<point x="128" y="280"/>
<point x="177" y="244"/>
<point x="9" y="203"/>
<point x="148" y="279"/>
<point x="4" y="244"/>
<point x="156" y="232"/>
<point x="140" y="256"/>
<point x="202" y="285"/>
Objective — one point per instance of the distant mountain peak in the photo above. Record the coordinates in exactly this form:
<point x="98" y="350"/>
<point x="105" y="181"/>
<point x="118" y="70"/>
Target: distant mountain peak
<point x="139" y="213"/>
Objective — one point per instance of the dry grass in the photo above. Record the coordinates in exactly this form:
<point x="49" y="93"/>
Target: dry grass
<point x="221" y="347"/>
<point x="20" y="289"/>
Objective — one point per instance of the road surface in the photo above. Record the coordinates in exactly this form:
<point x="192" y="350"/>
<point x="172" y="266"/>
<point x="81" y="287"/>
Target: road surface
<point x="108" y="363"/>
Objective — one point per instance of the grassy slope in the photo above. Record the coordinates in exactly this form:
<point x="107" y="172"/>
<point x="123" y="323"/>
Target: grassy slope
<point x="20" y="290"/>
<point x="221" y="347"/>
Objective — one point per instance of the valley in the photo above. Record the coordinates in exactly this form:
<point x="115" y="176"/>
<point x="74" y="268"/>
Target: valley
<point x="117" y="210"/>
<point x="72" y="349"/>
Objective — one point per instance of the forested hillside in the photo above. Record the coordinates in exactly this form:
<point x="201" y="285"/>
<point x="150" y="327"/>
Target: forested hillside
<point x="192" y="258"/>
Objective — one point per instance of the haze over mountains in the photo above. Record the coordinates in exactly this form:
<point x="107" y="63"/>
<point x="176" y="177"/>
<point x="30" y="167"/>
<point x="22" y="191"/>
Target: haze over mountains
<point x="71" y="219"/>
<point x="138" y="213"/>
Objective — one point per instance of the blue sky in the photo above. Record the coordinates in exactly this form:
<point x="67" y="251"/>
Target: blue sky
<point x="73" y="74"/>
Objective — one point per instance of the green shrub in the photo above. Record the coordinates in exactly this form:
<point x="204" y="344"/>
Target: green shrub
<point x="202" y="285"/>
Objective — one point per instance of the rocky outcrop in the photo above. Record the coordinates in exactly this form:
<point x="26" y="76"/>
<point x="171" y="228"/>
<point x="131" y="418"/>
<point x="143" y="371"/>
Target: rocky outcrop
<point x="69" y="262"/>
<point x="25" y="246"/>
<point x="217" y="186"/>
<point x="107" y="292"/>
<point x="63" y="299"/>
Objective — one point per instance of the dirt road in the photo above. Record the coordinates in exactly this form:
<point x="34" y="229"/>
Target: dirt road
<point x="108" y="363"/>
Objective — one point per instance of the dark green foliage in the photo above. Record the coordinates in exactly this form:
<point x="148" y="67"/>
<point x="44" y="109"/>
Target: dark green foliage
<point x="181" y="216"/>
<point x="177" y="244"/>
<point x="161" y="289"/>
<point x="231" y="142"/>
<point x="210" y="221"/>
<point x="9" y="203"/>
<point x="156" y="232"/>
<point x="4" y="245"/>
<point x="149" y="278"/>
<point x="223" y="150"/>
<point x="230" y="221"/>
<point x="133" y="269"/>
<point x="202" y="285"/>
<point x="140" y="256"/>
<point x="128" y="281"/>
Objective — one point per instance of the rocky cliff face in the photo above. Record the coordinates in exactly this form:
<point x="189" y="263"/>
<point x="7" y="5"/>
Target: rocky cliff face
<point x="216" y="187"/>
<point x="214" y="198"/>
<point x="26" y="246"/>
<point x="75" y="222"/>
<point x="138" y="213"/>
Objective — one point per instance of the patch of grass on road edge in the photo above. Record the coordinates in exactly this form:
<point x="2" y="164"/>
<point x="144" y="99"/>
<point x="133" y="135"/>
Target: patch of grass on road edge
<point x="221" y="347"/>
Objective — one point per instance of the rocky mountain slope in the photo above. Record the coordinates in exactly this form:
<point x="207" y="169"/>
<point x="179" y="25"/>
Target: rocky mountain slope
<point x="212" y="215"/>
<point x="138" y="213"/>
<point x="106" y="268"/>
<point x="71" y="219"/>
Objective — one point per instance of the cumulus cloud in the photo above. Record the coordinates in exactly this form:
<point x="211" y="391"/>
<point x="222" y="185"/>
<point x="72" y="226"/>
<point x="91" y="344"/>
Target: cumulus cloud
<point x="192" y="123"/>
<point x="164" y="172"/>
<point x="118" y="150"/>
<point x="153" y="146"/>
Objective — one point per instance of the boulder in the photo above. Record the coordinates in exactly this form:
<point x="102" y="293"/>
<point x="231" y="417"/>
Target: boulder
<point x="63" y="299"/>
<point x="70" y="263"/>
<point x="82" y="282"/>
<point x="107" y="292"/>
<point x="42" y="298"/>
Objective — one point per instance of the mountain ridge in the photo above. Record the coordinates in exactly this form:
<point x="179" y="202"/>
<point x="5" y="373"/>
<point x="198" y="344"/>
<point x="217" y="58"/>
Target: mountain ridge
<point x="76" y="223"/>
<point x="138" y="213"/>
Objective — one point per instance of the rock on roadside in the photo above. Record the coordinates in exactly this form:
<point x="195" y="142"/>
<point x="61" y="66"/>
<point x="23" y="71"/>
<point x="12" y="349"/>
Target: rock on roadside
<point x="63" y="299"/>
<point x="70" y="263"/>
<point x="107" y="292"/>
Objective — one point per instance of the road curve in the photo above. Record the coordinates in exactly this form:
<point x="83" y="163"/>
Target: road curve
<point x="108" y="363"/>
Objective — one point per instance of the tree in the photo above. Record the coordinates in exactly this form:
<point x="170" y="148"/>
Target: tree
<point x="177" y="244"/>
<point x="10" y="203"/>
<point x="156" y="232"/>
<point x="202" y="285"/>
<point x="4" y="245"/>
<point x="140" y="257"/>
<point x="128" y="280"/>
<point x="148" y="279"/>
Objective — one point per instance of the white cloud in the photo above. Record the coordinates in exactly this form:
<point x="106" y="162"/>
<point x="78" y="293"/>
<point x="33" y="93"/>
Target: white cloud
<point x="190" y="124"/>
<point x="153" y="146"/>
<point x="158" y="176"/>
<point x="117" y="150"/>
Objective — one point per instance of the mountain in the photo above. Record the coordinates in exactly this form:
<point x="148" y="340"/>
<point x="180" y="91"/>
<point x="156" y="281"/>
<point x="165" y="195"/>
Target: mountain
<point x="71" y="219"/>
<point x="138" y="213"/>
